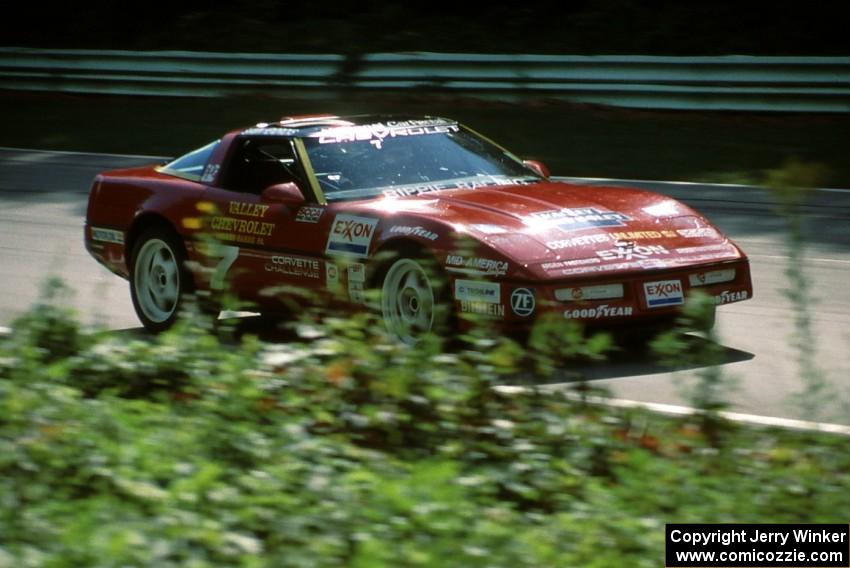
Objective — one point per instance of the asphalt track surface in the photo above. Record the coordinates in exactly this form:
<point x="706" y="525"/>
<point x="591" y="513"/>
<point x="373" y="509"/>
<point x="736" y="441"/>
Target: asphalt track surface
<point x="44" y="195"/>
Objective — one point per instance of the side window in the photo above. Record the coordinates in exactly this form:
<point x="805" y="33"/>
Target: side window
<point x="256" y="164"/>
<point x="191" y="165"/>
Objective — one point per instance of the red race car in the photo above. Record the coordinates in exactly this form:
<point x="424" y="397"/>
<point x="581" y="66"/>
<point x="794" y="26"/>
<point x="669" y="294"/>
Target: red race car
<point x="438" y="219"/>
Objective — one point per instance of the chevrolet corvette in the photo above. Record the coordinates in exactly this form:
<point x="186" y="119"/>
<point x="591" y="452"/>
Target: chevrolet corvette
<point x="418" y="218"/>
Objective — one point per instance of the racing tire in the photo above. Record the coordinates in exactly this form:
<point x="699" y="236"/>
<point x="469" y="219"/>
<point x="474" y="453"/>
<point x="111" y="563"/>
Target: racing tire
<point x="159" y="281"/>
<point x="413" y="299"/>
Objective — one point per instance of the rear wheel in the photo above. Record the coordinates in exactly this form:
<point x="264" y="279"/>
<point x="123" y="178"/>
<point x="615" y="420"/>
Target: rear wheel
<point x="412" y="302"/>
<point x="158" y="279"/>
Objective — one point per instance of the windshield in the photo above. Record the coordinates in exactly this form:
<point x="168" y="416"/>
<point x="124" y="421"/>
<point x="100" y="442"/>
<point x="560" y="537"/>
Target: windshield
<point x="408" y="158"/>
<point x="191" y="165"/>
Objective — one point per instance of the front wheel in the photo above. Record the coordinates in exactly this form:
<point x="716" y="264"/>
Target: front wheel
<point x="411" y="299"/>
<point x="158" y="280"/>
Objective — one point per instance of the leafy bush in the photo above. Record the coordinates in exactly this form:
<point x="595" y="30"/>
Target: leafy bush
<point x="343" y="448"/>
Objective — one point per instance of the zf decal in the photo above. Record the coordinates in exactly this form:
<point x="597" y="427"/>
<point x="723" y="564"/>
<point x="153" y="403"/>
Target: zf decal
<point x="522" y="302"/>
<point x="351" y="235"/>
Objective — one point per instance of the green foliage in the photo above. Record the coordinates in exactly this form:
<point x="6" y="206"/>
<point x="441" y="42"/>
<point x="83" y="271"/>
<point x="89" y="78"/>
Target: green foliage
<point x="346" y="449"/>
<point x="791" y="185"/>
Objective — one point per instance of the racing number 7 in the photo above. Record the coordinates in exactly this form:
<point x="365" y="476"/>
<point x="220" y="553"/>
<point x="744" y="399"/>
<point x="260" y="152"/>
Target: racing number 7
<point x="228" y="255"/>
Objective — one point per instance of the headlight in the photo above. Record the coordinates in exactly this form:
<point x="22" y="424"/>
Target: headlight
<point x="601" y="292"/>
<point x="712" y="277"/>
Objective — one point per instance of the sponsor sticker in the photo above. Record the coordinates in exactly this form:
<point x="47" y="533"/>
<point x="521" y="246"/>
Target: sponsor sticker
<point x="628" y="250"/>
<point x="331" y="275"/>
<point x="210" y="171"/>
<point x="601" y="311"/>
<point x="357" y="272"/>
<point x="355" y="292"/>
<point x="581" y="241"/>
<point x="579" y="218"/>
<point x="475" y="291"/>
<point x="483" y="308"/>
<point x="706" y="248"/>
<point x="414" y="232"/>
<point x="664" y="293"/>
<point x="309" y="214"/>
<point x="351" y="235"/>
<point x="522" y="302"/>
<point x="727" y="297"/>
<point x="702" y="233"/>
<point x="107" y="235"/>
<point x="474" y="265"/>
<point x="304" y="267"/>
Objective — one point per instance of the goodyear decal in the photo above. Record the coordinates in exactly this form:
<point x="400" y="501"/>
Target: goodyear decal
<point x="351" y="235"/>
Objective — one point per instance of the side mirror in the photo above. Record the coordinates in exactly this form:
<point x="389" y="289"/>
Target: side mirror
<point x="538" y="167"/>
<point x="287" y="193"/>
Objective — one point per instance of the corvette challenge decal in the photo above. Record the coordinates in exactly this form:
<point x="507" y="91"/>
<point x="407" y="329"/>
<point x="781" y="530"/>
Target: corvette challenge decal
<point x="351" y="235"/>
<point x="579" y="218"/>
<point x="292" y="265"/>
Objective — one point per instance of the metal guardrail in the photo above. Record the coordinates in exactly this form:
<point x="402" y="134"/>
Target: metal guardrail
<point x="741" y="83"/>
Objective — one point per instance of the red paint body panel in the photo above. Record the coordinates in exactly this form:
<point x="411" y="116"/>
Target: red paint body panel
<point x="510" y="251"/>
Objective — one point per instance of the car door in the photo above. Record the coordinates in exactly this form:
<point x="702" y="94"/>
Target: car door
<point x="265" y="234"/>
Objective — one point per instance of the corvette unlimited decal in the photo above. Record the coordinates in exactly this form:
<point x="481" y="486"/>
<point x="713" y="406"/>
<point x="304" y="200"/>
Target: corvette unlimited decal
<point x="351" y="235"/>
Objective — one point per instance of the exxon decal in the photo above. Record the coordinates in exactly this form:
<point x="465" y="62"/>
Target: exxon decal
<point x="664" y="293"/>
<point x="581" y="218"/>
<point x="351" y="235"/>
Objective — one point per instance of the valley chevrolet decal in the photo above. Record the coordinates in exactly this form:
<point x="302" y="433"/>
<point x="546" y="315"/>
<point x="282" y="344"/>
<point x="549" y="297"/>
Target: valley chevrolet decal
<point x="247" y="231"/>
<point x="351" y="235"/>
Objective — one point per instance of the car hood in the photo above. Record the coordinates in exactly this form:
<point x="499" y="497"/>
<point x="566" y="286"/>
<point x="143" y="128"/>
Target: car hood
<point x="553" y="221"/>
